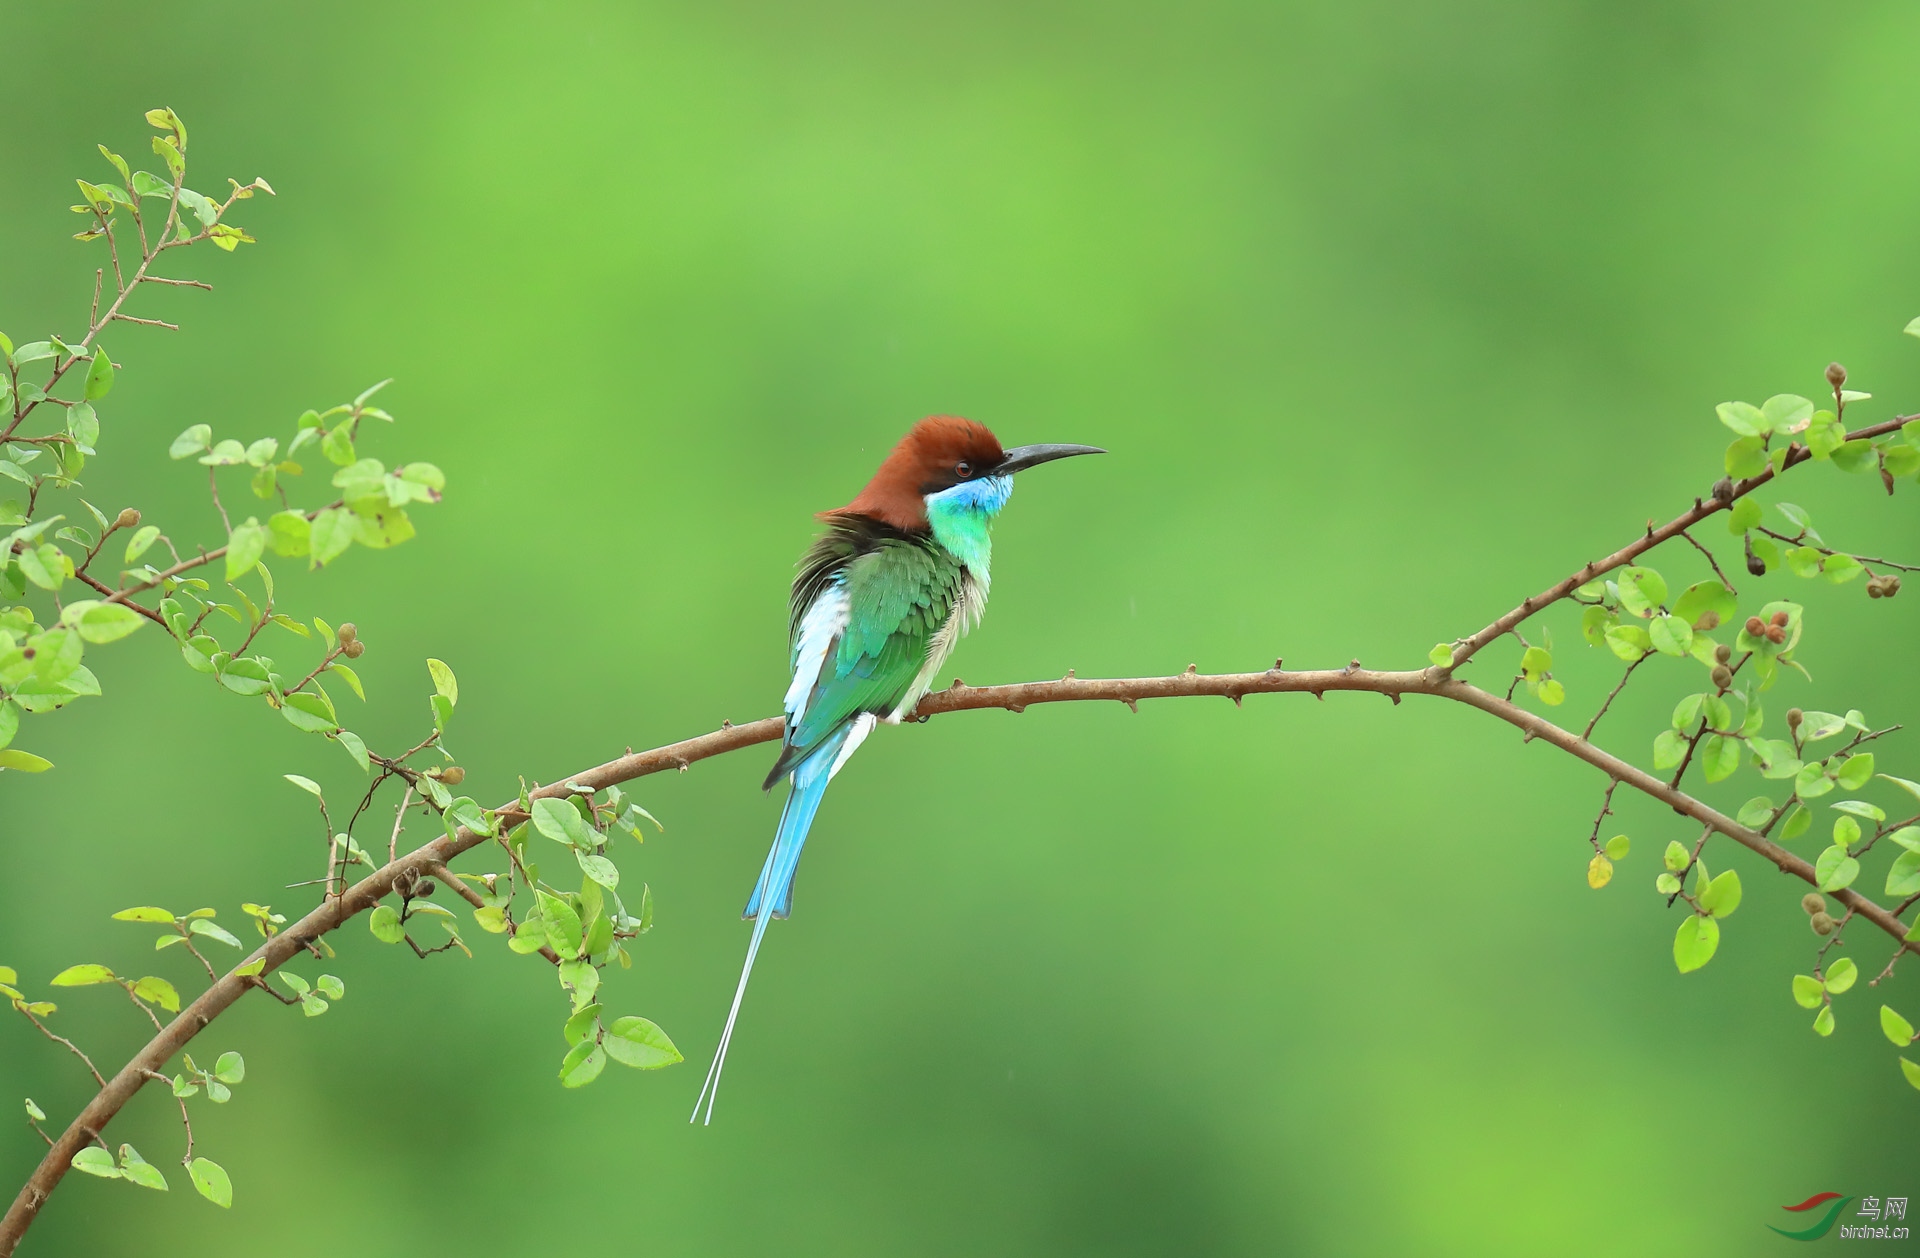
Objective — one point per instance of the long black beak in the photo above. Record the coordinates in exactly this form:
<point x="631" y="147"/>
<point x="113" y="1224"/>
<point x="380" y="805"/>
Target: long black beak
<point x="1021" y="457"/>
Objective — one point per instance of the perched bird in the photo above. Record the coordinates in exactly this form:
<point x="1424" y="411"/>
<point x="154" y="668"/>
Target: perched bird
<point x="880" y="600"/>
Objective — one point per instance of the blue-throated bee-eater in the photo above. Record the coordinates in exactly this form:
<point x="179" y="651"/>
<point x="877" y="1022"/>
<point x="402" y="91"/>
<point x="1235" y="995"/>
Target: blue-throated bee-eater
<point x="880" y="600"/>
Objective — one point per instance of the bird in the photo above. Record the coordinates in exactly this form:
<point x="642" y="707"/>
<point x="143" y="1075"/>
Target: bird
<point x="899" y="575"/>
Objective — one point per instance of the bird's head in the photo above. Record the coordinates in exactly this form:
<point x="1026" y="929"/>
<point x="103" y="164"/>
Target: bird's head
<point x="950" y="460"/>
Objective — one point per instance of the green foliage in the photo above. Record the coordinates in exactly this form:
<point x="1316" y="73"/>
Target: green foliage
<point x="217" y="599"/>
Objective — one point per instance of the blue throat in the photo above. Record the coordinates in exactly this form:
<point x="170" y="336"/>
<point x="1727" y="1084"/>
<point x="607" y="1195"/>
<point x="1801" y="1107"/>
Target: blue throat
<point x="962" y="519"/>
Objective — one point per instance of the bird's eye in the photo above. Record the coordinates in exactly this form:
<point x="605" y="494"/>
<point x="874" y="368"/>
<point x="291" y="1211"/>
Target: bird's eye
<point x="963" y="469"/>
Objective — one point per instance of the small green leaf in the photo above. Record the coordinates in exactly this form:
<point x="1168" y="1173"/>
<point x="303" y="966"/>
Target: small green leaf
<point x="212" y="1181"/>
<point x="1746" y="457"/>
<point x="145" y="913"/>
<point x="1756" y="812"/>
<point x="1797" y="823"/>
<point x="137" y="1170"/>
<point x="444" y="682"/>
<point x="200" y="926"/>
<point x="560" y="821"/>
<point x="1669" y="748"/>
<point x="1744" y="418"/>
<point x="1855" y="771"/>
<point x="1441" y="655"/>
<point x="158" y="991"/>
<point x="598" y="868"/>
<point x="1903" y="878"/>
<point x="385" y="925"/>
<point x="1835" y="869"/>
<point x="1895" y="1027"/>
<point x="1694" y="943"/>
<point x="580" y="1026"/>
<point x="142" y="538"/>
<point x="1743" y="515"/>
<point x="1823" y="1021"/>
<point x="1670" y="635"/>
<point x="231" y="1068"/>
<point x="1676" y="858"/>
<point x="1807" y="991"/>
<point x="1841" y="975"/>
<point x="82" y="976"/>
<point x="582" y="1064"/>
<point x="99" y="375"/>
<point x="310" y="712"/>
<point x="1618" y="846"/>
<point x="107" y="622"/>
<point x="308" y="785"/>
<point x="95" y="1160"/>
<point x="637" y="1042"/>
<point x="1721" y="896"/>
<point x="1642" y="590"/>
<point x="245" y="545"/>
<point x="1719" y="757"/>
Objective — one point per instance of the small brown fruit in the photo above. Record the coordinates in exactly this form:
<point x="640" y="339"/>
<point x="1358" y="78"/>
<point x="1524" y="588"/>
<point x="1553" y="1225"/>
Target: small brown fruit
<point x="1756" y="565"/>
<point x="1723" y="653"/>
<point x="1836" y="375"/>
<point x="1723" y="490"/>
<point x="1780" y="618"/>
<point x="1722" y="676"/>
<point x="1813" y="902"/>
<point x="1794" y="717"/>
<point x="349" y="631"/>
<point x="1822" y="924"/>
<point x="353" y="650"/>
<point x="1776" y="635"/>
<point x="453" y="775"/>
<point x="425" y="887"/>
<point x="1756" y="626"/>
<point x="128" y="519"/>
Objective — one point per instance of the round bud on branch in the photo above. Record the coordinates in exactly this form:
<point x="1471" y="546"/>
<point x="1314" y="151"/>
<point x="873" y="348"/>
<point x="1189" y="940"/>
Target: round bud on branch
<point x="1822" y="924"/>
<point x="1722" y="653"/>
<point x="354" y="649"/>
<point x="1813" y="902"/>
<point x="453" y="775"/>
<point x="1794" y="717"/>
<point x="127" y="519"/>
<point x="349" y="632"/>
<point x="1722" y="676"/>
<point x="1836" y="375"/>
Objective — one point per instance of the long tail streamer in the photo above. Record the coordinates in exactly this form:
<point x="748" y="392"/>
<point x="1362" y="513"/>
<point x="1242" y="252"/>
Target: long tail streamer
<point x="774" y="891"/>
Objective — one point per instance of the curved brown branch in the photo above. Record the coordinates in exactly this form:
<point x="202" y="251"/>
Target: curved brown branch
<point x="430" y="859"/>
<point x="1796" y="455"/>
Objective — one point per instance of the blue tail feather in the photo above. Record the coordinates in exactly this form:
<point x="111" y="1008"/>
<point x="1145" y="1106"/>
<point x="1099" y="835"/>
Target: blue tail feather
<point x="775" y="884"/>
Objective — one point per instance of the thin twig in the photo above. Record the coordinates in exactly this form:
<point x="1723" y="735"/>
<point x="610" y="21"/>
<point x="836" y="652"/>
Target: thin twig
<point x="1606" y="703"/>
<point x="1711" y="561"/>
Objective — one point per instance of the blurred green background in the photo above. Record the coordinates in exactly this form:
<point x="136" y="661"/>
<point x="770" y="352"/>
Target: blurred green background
<point x="1389" y="314"/>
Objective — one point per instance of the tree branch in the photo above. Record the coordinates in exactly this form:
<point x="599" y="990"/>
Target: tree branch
<point x="1796" y="455"/>
<point x="430" y="859"/>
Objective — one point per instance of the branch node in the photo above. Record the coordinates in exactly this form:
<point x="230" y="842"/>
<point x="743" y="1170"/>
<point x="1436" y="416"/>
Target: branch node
<point x="1132" y="704"/>
<point x="1191" y="670"/>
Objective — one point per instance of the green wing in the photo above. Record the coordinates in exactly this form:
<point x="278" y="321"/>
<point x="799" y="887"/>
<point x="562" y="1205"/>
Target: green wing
<point x="900" y="591"/>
